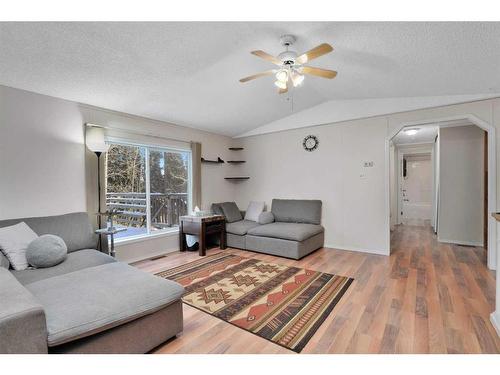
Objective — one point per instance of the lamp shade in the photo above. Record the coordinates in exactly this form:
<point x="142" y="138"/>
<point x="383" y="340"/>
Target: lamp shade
<point x="94" y="139"/>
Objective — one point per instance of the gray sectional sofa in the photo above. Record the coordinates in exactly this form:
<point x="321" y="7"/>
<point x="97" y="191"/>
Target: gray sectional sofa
<point x="90" y="303"/>
<point x="292" y="229"/>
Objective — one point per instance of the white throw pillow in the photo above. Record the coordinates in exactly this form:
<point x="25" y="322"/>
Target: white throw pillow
<point x="14" y="241"/>
<point x="254" y="210"/>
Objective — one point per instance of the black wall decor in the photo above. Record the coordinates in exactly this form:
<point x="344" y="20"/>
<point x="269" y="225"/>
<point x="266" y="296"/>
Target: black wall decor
<point x="310" y="143"/>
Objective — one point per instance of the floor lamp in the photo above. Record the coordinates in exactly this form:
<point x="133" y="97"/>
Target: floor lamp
<point x="95" y="142"/>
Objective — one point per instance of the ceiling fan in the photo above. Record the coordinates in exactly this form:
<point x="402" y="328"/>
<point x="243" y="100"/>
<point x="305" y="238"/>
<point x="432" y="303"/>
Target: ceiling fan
<point x="291" y="66"/>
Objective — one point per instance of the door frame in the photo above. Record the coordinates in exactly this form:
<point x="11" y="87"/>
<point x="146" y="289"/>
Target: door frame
<point x="492" y="178"/>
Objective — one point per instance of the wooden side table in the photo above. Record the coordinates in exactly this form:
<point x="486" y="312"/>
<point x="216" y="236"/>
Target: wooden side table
<point x="202" y="226"/>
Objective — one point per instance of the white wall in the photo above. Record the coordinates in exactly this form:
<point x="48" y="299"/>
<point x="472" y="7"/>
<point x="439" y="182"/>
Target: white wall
<point x="42" y="166"/>
<point x="461" y="179"/>
<point x="417" y="186"/>
<point x="352" y="195"/>
<point x="278" y="166"/>
<point x="41" y="155"/>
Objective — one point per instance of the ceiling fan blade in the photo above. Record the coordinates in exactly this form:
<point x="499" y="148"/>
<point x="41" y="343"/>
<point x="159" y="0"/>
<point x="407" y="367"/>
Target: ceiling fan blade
<point x="324" y="73"/>
<point x="316" y="52"/>
<point x="258" y="75"/>
<point x="266" y="56"/>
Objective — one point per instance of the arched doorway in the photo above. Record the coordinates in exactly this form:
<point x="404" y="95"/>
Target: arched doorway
<point x="491" y="183"/>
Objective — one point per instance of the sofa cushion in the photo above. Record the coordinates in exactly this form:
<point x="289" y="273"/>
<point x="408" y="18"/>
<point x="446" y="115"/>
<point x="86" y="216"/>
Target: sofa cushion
<point x="240" y="227"/>
<point x="288" y="231"/>
<point x="231" y="212"/>
<point x="75" y="261"/>
<point x="297" y="211"/>
<point x="95" y="299"/>
<point x="74" y="229"/>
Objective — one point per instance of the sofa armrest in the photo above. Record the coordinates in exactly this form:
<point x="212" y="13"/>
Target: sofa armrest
<point x="22" y="319"/>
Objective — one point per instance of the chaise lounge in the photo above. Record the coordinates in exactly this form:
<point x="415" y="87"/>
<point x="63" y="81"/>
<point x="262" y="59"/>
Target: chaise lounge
<point x="90" y="303"/>
<point x="292" y="229"/>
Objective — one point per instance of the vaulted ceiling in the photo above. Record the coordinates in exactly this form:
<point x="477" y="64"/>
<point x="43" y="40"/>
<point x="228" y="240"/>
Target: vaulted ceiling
<point x="187" y="73"/>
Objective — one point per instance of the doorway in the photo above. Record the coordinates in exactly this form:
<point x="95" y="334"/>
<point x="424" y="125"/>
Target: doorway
<point x="414" y="206"/>
<point x="416" y="189"/>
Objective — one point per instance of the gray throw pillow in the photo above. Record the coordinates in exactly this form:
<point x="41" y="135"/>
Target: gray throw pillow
<point x="231" y="212"/>
<point x="266" y="218"/>
<point x="217" y="209"/>
<point x="46" y="251"/>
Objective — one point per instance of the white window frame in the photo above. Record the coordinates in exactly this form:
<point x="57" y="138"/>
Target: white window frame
<point x="148" y="148"/>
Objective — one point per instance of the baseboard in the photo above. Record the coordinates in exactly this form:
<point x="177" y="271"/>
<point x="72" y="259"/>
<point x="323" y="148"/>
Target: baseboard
<point x="465" y="243"/>
<point x="495" y="321"/>
<point x="356" y="249"/>
<point x="149" y="256"/>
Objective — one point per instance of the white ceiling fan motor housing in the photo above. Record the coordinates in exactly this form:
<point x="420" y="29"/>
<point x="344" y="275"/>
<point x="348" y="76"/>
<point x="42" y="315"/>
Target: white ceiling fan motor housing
<point x="287" y="57"/>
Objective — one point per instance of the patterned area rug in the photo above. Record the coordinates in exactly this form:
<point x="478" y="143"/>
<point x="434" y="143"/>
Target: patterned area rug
<point x="285" y="305"/>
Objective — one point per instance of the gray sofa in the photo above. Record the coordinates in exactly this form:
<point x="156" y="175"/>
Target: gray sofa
<point x="294" y="231"/>
<point x="90" y="303"/>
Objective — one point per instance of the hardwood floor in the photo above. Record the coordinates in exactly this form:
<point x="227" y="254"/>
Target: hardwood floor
<point x="427" y="297"/>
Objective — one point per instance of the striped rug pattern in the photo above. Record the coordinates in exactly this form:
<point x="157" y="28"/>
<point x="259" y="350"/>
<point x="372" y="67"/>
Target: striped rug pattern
<point x="283" y="304"/>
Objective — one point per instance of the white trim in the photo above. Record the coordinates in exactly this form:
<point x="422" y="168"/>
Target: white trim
<point x="190" y="184"/>
<point x="132" y="142"/>
<point x="144" y="237"/>
<point x="492" y="176"/>
<point x="465" y="243"/>
<point x="413" y="144"/>
<point x="495" y="322"/>
<point x="387" y="158"/>
<point x="147" y="170"/>
<point x="356" y="249"/>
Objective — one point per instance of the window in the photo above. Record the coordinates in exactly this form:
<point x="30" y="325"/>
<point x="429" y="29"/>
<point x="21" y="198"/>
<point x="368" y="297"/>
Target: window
<point x="149" y="188"/>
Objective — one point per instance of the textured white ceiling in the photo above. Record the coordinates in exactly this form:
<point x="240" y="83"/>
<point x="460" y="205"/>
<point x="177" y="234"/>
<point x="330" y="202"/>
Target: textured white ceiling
<point x="187" y="73"/>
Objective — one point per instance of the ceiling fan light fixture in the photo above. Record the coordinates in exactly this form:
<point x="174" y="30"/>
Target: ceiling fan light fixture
<point x="411" y="131"/>
<point x="280" y="84"/>
<point x="290" y="66"/>
<point x="282" y="75"/>
<point x="297" y="78"/>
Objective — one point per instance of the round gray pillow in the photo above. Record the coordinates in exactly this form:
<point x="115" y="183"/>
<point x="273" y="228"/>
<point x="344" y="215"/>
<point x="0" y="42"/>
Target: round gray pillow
<point x="47" y="250"/>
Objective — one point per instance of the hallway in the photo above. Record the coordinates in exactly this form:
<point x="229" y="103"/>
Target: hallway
<point x="453" y="289"/>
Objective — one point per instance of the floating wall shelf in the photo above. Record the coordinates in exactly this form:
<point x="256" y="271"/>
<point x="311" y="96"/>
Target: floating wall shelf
<point x="236" y="178"/>
<point x="218" y="161"/>
<point x="236" y="148"/>
<point x="236" y="161"/>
